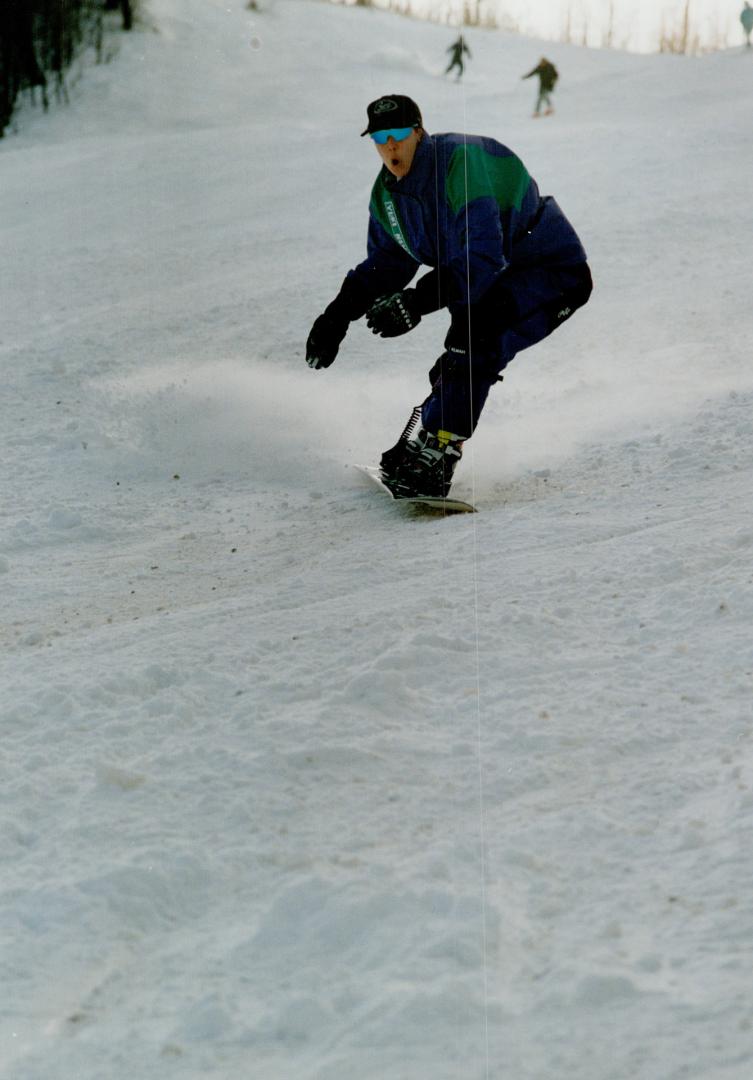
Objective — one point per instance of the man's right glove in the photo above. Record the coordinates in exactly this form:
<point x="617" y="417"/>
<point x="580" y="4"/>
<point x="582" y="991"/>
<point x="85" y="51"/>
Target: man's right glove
<point x="324" y="340"/>
<point x="332" y="325"/>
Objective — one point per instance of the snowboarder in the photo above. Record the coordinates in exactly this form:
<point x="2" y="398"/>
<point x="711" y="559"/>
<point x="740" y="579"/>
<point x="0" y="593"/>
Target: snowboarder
<point x="746" y="18"/>
<point x="458" y="49"/>
<point x="505" y="262"/>
<point x="548" y="76"/>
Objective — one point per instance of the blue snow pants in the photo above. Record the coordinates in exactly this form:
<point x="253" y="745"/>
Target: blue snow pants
<point x="544" y="98"/>
<point x="533" y="300"/>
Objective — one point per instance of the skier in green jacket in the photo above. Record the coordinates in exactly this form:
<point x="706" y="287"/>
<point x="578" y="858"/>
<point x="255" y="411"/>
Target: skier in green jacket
<point x="458" y="49"/>
<point x="746" y="18"/>
<point x="548" y="76"/>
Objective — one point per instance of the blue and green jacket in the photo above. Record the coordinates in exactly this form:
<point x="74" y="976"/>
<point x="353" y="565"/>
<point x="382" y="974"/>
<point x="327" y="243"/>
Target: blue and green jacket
<point x="469" y="208"/>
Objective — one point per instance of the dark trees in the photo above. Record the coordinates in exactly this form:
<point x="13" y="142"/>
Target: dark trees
<point x="40" y="38"/>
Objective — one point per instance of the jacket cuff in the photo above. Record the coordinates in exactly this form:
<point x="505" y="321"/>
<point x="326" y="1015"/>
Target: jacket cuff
<point x="350" y="303"/>
<point x="431" y="291"/>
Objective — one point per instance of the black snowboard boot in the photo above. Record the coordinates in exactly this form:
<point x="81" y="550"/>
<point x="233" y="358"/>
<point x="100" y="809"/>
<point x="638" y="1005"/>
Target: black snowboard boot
<point x="422" y="465"/>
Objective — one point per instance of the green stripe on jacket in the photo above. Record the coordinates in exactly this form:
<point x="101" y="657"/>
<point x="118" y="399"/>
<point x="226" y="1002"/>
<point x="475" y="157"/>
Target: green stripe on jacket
<point x="383" y="208"/>
<point x="474" y="174"/>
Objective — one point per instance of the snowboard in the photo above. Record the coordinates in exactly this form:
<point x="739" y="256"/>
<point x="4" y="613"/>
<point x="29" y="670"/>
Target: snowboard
<point x="419" y="502"/>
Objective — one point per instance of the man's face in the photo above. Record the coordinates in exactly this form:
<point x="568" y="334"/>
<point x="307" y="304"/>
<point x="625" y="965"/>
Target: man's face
<point x="398" y="156"/>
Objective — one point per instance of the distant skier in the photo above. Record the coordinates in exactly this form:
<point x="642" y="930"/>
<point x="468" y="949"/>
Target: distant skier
<point x="126" y="10"/>
<point x="458" y="50"/>
<point x="746" y="18"/>
<point x="548" y="76"/>
<point x="506" y="263"/>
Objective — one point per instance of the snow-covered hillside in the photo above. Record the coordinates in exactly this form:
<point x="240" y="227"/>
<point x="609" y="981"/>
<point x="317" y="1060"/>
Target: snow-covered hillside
<point x="298" y="786"/>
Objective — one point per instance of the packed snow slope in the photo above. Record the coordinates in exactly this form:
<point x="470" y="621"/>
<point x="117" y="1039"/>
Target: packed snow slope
<point x="297" y="785"/>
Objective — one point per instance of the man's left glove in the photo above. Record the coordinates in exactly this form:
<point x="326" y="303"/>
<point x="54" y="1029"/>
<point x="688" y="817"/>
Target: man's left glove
<point x="391" y="316"/>
<point x="476" y="327"/>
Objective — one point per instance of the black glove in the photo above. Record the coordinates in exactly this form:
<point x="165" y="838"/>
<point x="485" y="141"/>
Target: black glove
<point x="390" y="316"/>
<point x="476" y="327"/>
<point x="332" y="325"/>
<point x="324" y="340"/>
<point x="450" y="363"/>
<point x="458" y="338"/>
<point x="442" y="367"/>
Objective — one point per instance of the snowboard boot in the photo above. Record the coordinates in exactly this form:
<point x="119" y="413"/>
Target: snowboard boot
<point x="422" y="465"/>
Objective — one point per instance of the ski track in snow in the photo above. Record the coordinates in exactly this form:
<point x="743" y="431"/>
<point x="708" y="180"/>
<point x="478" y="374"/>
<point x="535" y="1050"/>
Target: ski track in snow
<point x="296" y="784"/>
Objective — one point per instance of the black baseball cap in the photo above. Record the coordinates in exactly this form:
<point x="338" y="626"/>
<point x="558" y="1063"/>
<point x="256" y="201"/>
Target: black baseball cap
<point x="392" y="111"/>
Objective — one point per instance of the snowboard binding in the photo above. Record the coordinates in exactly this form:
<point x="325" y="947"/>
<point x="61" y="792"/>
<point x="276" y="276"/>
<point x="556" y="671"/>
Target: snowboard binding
<point x="421" y="465"/>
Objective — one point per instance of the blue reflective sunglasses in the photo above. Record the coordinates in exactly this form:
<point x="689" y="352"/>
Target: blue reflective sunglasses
<point x="398" y="134"/>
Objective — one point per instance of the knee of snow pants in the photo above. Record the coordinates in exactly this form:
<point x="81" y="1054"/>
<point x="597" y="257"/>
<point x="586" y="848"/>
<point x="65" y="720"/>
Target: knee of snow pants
<point x="551" y="297"/>
<point x="461" y="384"/>
<point x="543" y="99"/>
